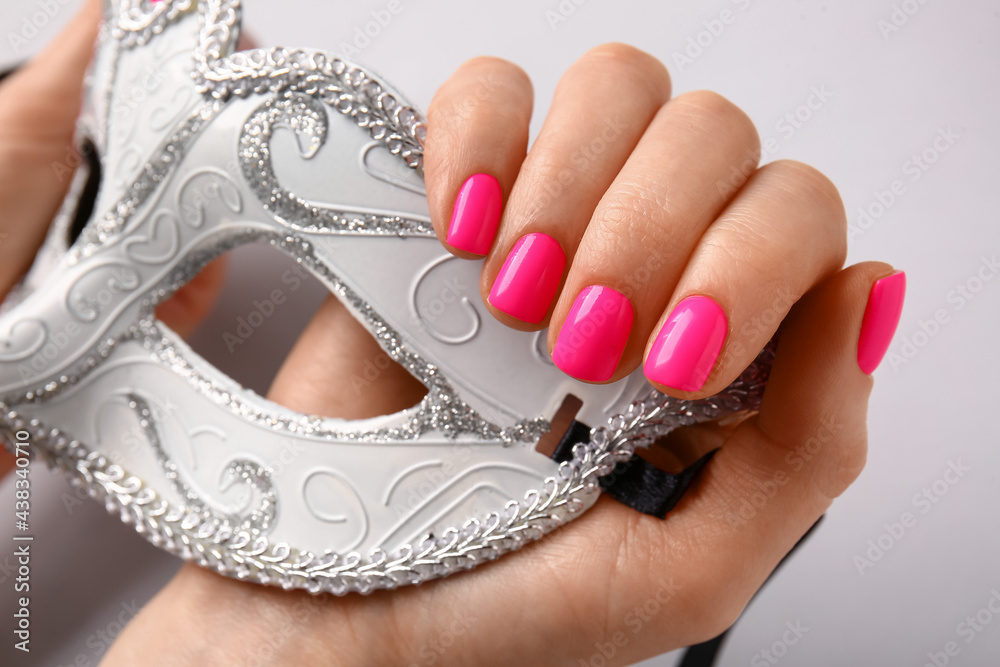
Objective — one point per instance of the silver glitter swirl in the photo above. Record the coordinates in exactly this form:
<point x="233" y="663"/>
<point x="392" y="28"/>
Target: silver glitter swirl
<point x="306" y="117"/>
<point x="258" y="478"/>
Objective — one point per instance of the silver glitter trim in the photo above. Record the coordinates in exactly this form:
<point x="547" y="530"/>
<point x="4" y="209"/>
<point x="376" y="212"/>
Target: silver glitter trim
<point x="210" y="542"/>
<point x="306" y="117"/>
<point x="347" y="88"/>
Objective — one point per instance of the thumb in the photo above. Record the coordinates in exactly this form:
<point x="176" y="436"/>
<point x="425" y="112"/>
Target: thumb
<point x="782" y="468"/>
<point x="39" y="104"/>
<point x="816" y="404"/>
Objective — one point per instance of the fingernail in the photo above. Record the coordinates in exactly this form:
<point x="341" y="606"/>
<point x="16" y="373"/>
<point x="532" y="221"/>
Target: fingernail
<point x="476" y="214"/>
<point x="685" y="350"/>
<point x="594" y="335"/>
<point x="529" y="277"/>
<point x="885" y="305"/>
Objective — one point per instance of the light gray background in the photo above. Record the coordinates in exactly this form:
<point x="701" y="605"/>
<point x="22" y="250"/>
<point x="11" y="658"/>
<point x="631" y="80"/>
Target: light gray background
<point x="891" y="93"/>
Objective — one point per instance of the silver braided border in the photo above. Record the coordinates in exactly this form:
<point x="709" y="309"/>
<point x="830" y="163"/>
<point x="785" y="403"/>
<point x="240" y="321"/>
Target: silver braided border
<point x="139" y="21"/>
<point x="213" y="542"/>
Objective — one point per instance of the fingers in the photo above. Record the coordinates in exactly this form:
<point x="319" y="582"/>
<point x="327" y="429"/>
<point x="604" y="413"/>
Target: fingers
<point x="783" y="467"/>
<point x="477" y="136"/>
<point x="650" y="218"/>
<point x="783" y="233"/>
<point x="631" y="228"/>
<point x="38" y="108"/>
<point x="587" y="137"/>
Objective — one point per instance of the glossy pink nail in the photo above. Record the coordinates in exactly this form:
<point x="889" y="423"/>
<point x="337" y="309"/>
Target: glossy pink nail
<point x="594" y="335"/>
<point x="885" y="305"/>
<point x="529" y="277"/>
<point x="685" y="350"/>
<point x="476" y="214"/>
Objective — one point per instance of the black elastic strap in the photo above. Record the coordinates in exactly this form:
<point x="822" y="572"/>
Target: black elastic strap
<point x="703" y="654"/>
<point x="636" y="482"/>
<point x="91" y="188"/>
<point x="644" y="487"/>
<point x="578" y="432"/>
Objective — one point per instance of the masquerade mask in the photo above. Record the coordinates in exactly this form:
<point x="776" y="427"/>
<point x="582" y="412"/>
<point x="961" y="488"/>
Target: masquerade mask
<point x="192" y="149"/>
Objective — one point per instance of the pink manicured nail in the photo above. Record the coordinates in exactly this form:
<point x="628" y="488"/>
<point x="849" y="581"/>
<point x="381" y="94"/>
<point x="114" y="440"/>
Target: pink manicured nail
<point x="594" y="335"/>
<point x="476" y="214"/>
<point x="885" y="305"/>
<point x="529" y="277"/>
<point x="685" y="350"/>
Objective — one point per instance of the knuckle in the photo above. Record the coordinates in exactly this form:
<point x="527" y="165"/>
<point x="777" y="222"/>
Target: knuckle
<point x="848" y="459"/>
<point x="484" y="86"/>
<point x="624" y="54"/>
<point x="829" y="456"/>
<point x="630" y="207"/>
<point x="711" y="103"/>
<point x="627" y="57"/>
<point x="741" y="237"/>
<point x="498" y="70"/>
<point x="721" y="113"/>
<point x="805" y="183"/>
<point x="632" y="222"/>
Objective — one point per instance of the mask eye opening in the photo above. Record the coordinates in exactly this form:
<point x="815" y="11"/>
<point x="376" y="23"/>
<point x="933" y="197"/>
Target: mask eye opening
<point x="88" y="196"/>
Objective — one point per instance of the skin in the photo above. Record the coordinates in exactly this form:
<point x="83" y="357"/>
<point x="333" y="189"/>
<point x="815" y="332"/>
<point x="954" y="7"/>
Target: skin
<point x="652" y="193"/>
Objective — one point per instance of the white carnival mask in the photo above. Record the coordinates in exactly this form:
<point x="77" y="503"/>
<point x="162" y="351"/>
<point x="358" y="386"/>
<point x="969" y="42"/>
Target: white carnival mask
<point x="194" y="149"/>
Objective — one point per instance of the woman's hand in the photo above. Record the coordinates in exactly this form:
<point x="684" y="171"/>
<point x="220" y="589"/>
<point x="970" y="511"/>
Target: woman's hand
<point x="654" y="209"/>
<point x="648" y="202"/>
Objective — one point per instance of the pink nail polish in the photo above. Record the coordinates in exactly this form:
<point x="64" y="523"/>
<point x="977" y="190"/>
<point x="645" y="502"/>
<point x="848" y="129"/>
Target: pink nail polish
<point x="529" y="277"/>
<point x="594" y="335"/>
<point x="685" y="350"/>
<point x="476" y="214"/>
<point x="885" y="305"/>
